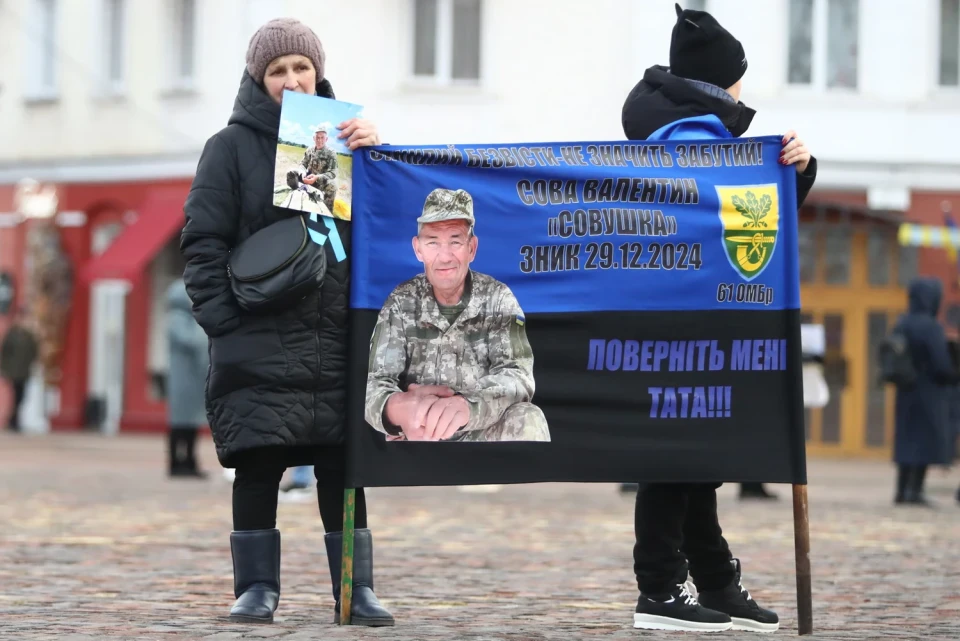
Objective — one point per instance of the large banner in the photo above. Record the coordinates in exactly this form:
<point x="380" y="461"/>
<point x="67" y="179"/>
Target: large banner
<point x="598" y="311"/>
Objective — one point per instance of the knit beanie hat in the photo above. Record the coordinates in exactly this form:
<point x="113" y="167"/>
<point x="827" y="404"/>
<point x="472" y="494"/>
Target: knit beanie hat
<point x="700" y="49"/>
<point x="283" y="37"/>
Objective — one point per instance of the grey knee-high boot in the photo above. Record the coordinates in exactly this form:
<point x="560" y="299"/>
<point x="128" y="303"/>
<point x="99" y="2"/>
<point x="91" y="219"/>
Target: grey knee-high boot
<point x="256" y="575"/>
<point x="365" y="608"/>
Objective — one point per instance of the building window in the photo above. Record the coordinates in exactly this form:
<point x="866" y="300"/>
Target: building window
<point x="879" y="254"/>
<point x="823" y="44"/>
<point x="875" y="429"/>
<point x="842" y="43"/>
<point x="949" y="43"/>
<point x="835" y="373"/>
<point x="836" y="264"/>
<point x="800" y="47"/>
<point x="41" y="65"/>
<point x="907" y="265"/>
<point x="809" y="246"/>
<point x="806" y="318"/>
<point x="446" y="40"/>
<point x="114" y="12"/>
<point x="184" y="40"/>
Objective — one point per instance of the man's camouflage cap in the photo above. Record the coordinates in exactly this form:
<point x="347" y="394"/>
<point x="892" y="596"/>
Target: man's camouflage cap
<point x="447" y="204"/>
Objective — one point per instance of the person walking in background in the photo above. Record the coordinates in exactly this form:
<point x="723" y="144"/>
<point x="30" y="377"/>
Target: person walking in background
<point x="18" y="353"/>
<point x="756" y="491"/>
<point x="187" y="348"/>
<point x="953" y="413"/>
<point x="276" y="391"/>
<point x="923" y="435"/>
<point x="298" y="487"/>
<point x="677" y="526"/>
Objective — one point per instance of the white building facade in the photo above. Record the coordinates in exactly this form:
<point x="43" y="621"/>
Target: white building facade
<point x="100" y="80"/>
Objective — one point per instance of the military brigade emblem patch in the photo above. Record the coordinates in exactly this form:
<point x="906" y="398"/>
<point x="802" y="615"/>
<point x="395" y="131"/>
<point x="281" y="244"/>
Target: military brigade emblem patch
<point x="750" y="215"/>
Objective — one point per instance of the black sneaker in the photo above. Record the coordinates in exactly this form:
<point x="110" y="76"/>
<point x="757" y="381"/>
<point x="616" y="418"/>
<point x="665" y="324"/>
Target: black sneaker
<point x="735" y="601"/>
<point x="678" y="611"/>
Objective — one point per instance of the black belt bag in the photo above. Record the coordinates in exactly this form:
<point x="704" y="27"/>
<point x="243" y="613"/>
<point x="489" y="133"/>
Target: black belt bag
<point x="277" y="266"/>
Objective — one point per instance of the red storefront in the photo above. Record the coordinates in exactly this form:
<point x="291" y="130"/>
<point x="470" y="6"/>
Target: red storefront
<point x="113" y="233"/>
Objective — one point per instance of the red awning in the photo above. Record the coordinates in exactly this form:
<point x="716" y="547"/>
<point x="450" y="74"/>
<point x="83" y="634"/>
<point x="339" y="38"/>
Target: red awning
<point x="130" y="252"/>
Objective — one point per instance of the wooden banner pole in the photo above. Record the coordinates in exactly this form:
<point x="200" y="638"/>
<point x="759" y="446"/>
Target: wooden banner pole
<point x="346" y="559"/>
<point x="801" y="542"/>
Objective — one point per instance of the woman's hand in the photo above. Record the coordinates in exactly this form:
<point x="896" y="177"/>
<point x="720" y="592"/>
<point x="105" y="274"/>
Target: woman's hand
<point x="359" y="133"/>
<point x="794" y="152"/>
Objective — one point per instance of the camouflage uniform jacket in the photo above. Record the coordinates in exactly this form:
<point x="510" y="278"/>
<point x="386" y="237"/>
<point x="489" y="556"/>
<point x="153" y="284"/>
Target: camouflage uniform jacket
<point x="484" y="355"/>
<point x="321" y="163"/>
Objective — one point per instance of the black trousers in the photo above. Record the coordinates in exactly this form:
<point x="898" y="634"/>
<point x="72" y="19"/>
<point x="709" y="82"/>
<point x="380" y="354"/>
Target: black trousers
<point x="19" y="393"/>
<point x="678" y="531"/>
<point x="258" y="481"/>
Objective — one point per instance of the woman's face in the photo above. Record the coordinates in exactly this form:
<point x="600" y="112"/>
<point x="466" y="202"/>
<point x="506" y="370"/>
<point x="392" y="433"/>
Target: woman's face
<point x="291" y="73"/>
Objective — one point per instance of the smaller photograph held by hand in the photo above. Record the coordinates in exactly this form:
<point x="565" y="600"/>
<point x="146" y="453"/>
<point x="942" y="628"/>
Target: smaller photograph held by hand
<point x="449" y="355"/>
<point x="313" y="171"/>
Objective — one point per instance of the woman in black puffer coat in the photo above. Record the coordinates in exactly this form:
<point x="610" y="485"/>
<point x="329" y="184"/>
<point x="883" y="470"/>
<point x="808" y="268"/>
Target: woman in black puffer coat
<point x="275" y="391"/>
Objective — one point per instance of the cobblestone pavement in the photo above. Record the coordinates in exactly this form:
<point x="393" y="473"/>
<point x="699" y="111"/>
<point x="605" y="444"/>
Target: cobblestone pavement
<point x="96" y="543"/>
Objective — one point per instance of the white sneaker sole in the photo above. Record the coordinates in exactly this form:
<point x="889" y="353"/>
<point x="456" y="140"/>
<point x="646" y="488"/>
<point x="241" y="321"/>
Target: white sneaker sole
<point x="747" y="625"/>
<point x="654" y="622"/>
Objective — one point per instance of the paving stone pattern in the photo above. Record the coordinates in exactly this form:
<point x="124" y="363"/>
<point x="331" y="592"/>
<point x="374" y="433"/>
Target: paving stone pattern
<point x="96" y="543"/>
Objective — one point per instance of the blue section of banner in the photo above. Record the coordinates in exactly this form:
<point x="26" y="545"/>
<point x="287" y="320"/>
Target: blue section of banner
<point x="593" y="226"/>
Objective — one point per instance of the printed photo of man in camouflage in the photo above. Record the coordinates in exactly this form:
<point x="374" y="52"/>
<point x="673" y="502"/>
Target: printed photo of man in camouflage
<point x="318" y="170"/>
<point x="449" y="356"/>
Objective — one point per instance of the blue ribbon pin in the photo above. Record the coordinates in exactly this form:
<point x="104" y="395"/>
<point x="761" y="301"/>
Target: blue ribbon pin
<point x="320" y="237"/>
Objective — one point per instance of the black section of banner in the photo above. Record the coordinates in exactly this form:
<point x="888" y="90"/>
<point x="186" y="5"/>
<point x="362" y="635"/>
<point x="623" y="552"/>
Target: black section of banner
<point x="600" y="420"/>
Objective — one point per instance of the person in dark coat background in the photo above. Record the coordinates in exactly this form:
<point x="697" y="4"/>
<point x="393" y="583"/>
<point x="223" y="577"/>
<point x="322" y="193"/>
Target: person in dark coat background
<point x="922" y="430"/>
<point x="276" y="391"/>
<point x="953" y="414"/>
<point x="677" y="526"/>
<point x="18" y="353"/>
<point x="187" y="347"/>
